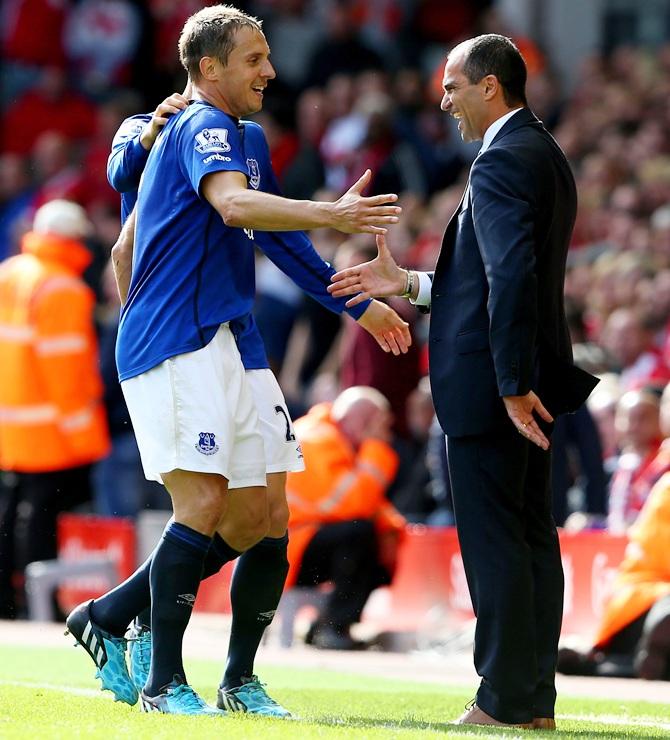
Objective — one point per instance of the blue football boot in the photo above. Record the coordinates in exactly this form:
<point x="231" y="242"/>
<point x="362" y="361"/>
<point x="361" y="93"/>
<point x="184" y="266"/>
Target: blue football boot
<point x="250" y="697"/>
<point x="177" y="698"/>
<point x="139" y="652"/>
<point x="107" y="652"/>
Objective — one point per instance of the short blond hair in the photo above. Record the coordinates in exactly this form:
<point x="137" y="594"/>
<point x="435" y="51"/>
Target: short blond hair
<point x="211" y="33"/>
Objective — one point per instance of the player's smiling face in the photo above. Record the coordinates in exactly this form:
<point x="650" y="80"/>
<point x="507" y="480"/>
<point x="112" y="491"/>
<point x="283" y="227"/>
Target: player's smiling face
<point x="246" y="74"/>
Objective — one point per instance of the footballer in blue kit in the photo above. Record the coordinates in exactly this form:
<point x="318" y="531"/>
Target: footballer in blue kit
<point x="127" y="160"/>
<point x="182" y="306"/>
<point x="206" y="195"/>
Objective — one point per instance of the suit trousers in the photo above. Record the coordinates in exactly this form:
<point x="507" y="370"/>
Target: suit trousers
<point x="510" y="550"/>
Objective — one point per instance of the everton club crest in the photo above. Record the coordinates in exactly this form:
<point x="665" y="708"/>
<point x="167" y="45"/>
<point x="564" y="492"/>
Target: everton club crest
<point x="207" y="443"/>
<point x="254" y="173"/>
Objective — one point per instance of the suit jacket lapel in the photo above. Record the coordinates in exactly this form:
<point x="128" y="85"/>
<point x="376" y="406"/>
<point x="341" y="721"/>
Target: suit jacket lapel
<point x="523" y="117"/>
<point x="449" y="238"/>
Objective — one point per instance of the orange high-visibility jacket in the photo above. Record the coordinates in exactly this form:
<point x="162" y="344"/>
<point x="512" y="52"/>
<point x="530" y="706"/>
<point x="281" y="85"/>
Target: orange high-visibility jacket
<point x="51" y="412"/>
<point x="644" y="575"/>
<point x="338" y="483"/>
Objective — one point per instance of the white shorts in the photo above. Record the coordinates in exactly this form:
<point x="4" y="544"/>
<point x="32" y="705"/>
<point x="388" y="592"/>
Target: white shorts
<point x="282" y="449"/>
<point x="201" y="411"/>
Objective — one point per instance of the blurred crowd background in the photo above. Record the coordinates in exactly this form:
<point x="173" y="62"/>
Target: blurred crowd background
<point x="358" y="85"/>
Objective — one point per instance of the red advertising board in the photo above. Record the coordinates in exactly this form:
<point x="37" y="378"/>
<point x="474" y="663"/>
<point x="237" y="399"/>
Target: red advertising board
<point x="430" y="580"/>
<point x="214" y="592"/>
<point x="81" y="537"/>
<point x="428" y="589"/>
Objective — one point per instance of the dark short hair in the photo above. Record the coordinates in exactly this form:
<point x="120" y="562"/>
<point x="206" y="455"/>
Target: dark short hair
<point x="492" y="54"/>
<point x="211" y="33"/>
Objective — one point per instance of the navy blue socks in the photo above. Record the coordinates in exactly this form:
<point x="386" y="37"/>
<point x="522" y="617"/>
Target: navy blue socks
<point x="219" y="553"/>
<point x="115" y="610"/>
<point x="175" y="574"/>
<point x="257" y="585"/>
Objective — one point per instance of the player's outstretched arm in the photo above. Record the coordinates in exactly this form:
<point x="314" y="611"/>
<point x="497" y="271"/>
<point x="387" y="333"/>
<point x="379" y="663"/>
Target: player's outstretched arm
<point x="253" y="209"/>
<point x="390" y="331"/>
<point x="122" y="257"/>
<point x="379" y="277"/>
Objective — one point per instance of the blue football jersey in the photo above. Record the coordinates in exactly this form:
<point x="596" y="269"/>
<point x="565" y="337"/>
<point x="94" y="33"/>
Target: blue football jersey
<point x="191" y="272"/>
<point x="127" y="160"/>
<point x="184" y="253"/>
<point x="125" y="166"/>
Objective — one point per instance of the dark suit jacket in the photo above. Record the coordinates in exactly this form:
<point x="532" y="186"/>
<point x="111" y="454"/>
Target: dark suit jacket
<point x="497" y="320"/>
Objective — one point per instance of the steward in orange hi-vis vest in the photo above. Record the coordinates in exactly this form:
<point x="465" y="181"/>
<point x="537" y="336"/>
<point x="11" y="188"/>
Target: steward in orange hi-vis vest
<point x="51" y="413"/>
<point x="339" y="483"/>
<point x="644" y="575"/>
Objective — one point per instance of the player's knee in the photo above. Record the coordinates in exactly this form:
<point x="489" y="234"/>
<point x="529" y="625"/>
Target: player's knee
<point x="256" y="526"/>
<point x="208" y="512"/>
<point x="279" y="514"/>
<point x="247" y="519"/>
<point x="277" y="504"/>
<point x="204" y="510"/>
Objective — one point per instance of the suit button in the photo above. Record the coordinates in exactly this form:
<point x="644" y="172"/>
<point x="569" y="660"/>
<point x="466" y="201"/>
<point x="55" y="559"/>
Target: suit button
<point x="434" y="340"/>
<point x="436" y="295"/>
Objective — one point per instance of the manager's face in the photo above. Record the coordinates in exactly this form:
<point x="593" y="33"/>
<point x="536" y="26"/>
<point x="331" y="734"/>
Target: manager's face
<point x="463" y="99"/>
<point x="246" y="74"/>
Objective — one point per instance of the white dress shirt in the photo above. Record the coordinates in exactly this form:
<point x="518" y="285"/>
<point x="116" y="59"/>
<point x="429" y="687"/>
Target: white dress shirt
<point x="425" y="283"/>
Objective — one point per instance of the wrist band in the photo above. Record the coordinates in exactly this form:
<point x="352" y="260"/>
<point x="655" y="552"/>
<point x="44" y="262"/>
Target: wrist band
<point x="409" y="285"/>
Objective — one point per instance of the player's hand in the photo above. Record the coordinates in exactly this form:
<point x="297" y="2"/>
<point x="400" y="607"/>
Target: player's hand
<point x="521" y="410"/>
<point x="353" y="213"/>
<point x="379" y="277"/>
<point x="390" y="331"/>
<point x="167" y="108"/>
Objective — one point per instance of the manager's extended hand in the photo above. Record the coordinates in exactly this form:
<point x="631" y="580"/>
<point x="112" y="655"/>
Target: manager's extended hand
<point x="379" y="277"/>
<point x="390" y="331"/>
<point x="355" y="213"/>
<point x="521" y="410"/>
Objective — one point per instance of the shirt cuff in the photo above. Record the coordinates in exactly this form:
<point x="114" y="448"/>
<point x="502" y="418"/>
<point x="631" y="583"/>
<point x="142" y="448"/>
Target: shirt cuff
<point x="425" y="286"/>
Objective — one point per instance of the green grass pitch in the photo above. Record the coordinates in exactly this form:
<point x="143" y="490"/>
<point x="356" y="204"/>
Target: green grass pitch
<point x="51" y="693"/>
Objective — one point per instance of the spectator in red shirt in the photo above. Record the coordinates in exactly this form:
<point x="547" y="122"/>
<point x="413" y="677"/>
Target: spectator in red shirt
<point x="32" y="31"/>
<point x="58" y="175"/>
<point x="49" y="106"/>
<point x="630" y="342"/>
<point x="638" y="466"/>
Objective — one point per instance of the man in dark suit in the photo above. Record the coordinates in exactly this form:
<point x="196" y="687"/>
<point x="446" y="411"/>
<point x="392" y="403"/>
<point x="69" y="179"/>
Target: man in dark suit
<point x="499" y="344"/>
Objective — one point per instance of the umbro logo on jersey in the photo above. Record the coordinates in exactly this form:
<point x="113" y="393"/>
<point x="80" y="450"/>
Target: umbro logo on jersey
<point x="212" y="140"/>
<point x="206" y="443"/>
<point x="216" y="158"/>
<point x="298" y="449"/>
<point x="186" y="599"/>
